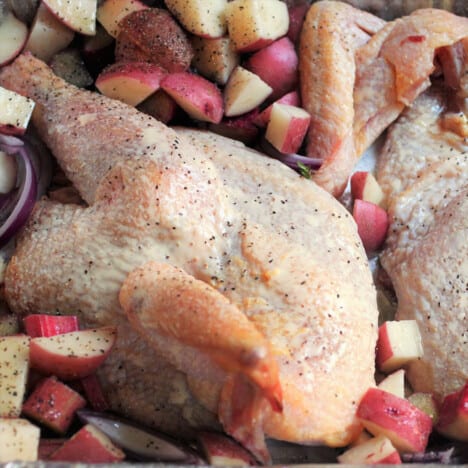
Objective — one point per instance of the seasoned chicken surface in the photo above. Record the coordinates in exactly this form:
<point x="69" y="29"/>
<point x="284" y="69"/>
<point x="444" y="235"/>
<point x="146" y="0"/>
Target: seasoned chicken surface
<point x="423" y="170"/>
<point x="358" y="74"/>
<point x="331" y="34"/>
<point x="241" y="291"/>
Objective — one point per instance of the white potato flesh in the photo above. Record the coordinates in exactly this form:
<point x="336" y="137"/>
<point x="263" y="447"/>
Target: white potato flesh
<point x="243" y="92"/>
<point x="15" y="111"/>
<point x="215" y="59"/>
<point x="14" y="363"/>
<point x="79" y="15"/>
<point x="19" y="440"/>
<point x="48" y="35"/>
<point x="205" y="18"/>
<point x="13" y="35"/>
<point x="252" y="24"/>
<point x="110" y="12"/>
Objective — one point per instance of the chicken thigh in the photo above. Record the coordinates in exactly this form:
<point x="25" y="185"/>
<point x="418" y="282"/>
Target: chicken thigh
<point x="268" y="316"/>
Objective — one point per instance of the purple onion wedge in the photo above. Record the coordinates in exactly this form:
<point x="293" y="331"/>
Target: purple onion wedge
<point x="34" y="164"/>
<point x="10" y="141"/>
<point x="295" y="161"/>
<point x="41" y="160"/>
<point x="141" y="443"/>
<point x="21" y="204"/>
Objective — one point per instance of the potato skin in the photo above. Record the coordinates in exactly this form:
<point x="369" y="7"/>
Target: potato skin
<point x="126" y="50"/>
<point x="153" y="35"/>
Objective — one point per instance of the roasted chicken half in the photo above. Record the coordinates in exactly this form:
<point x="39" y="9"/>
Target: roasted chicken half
<point x="423" y="171"/>
<point x="241" y="291"/>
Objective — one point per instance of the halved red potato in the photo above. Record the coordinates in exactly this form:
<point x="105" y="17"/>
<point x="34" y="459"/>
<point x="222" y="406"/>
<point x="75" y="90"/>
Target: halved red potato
<point x="13" y="36"/>
<point x="48" y="35"/>
<point x="72" y="355"/>
<point x="130" y="82"/>
<point x="200" y="98"/>
<point x="153" y="35"/>
<point x="79" y="15"/>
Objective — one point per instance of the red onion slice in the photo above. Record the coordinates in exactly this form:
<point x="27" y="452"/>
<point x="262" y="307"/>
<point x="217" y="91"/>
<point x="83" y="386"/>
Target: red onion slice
<point x="7" y="203"/>
<point x="8" y="140"/>
<point x="41" y="160"/>
<point x="293" y="160"/>
<point x="26" y="194"/>
<point x="34" y="175"/>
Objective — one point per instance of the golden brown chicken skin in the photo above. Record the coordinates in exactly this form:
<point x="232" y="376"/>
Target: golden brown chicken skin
<point x="281" y="341"/>
<point x="423" y="169"/>
<point x="358" y="74"/>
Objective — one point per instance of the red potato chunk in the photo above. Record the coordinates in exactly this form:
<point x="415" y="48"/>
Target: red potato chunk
<point x="200" y="98"/>
<point x="376" y="450"/>
<point x="153" y="35"/>
<point x="79" y="15"/>
<point x="72" y="355"/>
<point x="277" y="66"/>
<point x="365" y="187"/>
<point x="253" y="24"/>
<point x="14" y="364"/>
<point x="47" y="35"/>
<point x="111" y="12"/>
<point x="204" y="18"/>
<point x="19" y="440"/>
<point x="53" y="404"/>
<point x="292" y="99"/>
<point x="244" y="92"/>
<point x="49" y="325"/>
<point x="130" y="82"/>
<point x="88" y="445"/>
<point x="399" y="342"/>
<point x="287" y="127"/>
<point x="215" y="59"/>
<point x="13" y="36"/>
<point x="383" y="413"/>
<point x="453" y="416"/>
<point x="372" y="222"/>
<point x="15" y="112"/>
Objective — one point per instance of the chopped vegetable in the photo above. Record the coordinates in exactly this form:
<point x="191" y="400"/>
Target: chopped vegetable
<point x="139" y="442"/>
<point x="53" y="404"/>
<point x="16" y="210"/>
<point x="49" y="325"/>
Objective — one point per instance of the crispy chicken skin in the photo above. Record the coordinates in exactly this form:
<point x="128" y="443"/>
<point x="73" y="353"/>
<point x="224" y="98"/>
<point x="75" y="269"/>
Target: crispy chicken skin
<point x="358" y="74"/>
<point x="424" y="173"/>
<point x="285" y="317"/>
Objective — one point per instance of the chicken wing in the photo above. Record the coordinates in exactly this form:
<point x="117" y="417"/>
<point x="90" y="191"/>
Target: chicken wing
<point x="331" y="34"/>
<point x="356" y="84"/>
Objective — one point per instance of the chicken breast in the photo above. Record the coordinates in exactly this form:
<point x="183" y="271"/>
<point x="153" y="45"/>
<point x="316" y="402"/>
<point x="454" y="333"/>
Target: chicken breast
<point x="424" y="173"/>
<point x="278" y="337"/>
